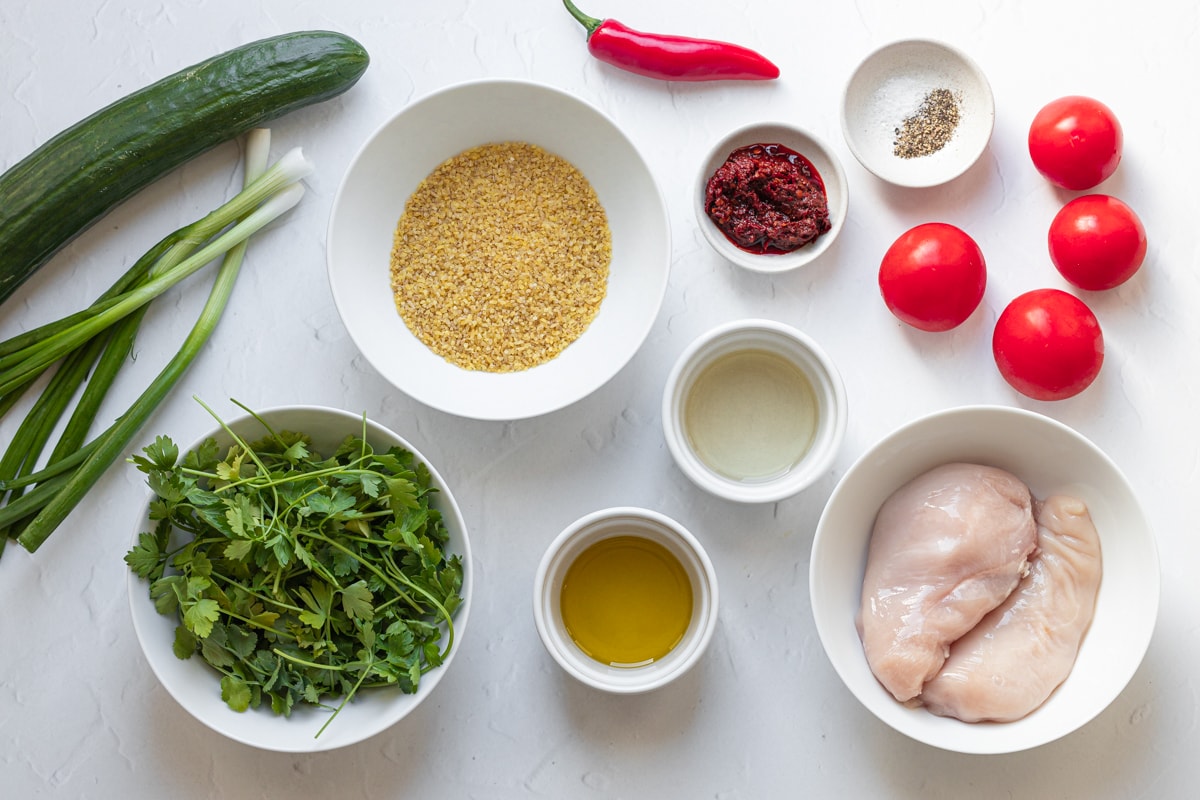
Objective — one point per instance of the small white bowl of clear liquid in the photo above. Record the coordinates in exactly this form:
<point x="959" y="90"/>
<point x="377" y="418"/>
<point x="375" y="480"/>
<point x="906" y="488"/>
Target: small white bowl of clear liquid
<point x="754" y="411"/>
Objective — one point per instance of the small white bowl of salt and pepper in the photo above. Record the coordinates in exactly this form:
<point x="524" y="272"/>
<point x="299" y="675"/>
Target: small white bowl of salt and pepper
<point x="917" y="113"/>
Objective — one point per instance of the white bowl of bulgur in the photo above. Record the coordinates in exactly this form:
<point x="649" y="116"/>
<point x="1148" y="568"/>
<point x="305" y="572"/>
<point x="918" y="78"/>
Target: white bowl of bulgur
<point x="498" y="249"/>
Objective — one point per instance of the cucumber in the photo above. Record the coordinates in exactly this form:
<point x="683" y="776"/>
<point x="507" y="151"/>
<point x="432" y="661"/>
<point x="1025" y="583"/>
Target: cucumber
<point x="75" y="178"/>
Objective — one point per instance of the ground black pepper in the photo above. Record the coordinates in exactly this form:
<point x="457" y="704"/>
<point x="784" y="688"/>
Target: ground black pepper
<point x="930" y="128"/>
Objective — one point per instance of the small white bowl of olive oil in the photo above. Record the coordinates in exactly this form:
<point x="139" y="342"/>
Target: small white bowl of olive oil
<point x="625" y="600"/>
<point x="754" y="411"/>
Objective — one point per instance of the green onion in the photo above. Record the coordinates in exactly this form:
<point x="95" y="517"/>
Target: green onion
<point x="33" y="359"/>
<point x="103" y="335"/>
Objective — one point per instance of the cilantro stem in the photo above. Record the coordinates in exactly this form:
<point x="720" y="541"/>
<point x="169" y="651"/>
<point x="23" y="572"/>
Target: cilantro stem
<point x="253" y="624"/>
<point x="361" y="677"/>
<point x="259" y="595"/>
<point x="310" y="664"/>
<point x="259" y="482"/>
<point x="382" y="576"/>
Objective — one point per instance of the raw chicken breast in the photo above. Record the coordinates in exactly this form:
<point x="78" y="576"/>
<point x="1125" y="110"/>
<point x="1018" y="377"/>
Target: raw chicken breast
<point x="1018" y="654"/>
<point x="946" y="549"/>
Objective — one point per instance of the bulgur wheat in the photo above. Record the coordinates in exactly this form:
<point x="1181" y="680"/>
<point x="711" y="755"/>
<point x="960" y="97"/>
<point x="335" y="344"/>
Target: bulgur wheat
<point x="500" y="258"/>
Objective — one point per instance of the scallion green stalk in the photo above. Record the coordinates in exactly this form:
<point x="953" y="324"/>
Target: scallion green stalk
<point x="132" y="275"/>
<point x="71" y="451"/>
<point x="64" y="491"/>
<point x="25" y="447"/>
<point x="55" y="347"/>
<point x="116" y="351"/>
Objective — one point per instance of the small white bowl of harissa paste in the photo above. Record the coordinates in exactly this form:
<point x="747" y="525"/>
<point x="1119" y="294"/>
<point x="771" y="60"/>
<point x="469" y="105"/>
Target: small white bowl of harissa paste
<point x="754" y="411"/>
<point x="771" y="197"/>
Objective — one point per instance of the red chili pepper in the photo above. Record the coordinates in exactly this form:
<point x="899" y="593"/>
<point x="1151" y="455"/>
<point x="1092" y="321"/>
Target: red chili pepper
<point x="672" y="58"/>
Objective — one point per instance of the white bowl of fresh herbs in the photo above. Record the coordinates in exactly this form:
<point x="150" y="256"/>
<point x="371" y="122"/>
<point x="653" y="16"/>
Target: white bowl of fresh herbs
<point x="300" y="579"/>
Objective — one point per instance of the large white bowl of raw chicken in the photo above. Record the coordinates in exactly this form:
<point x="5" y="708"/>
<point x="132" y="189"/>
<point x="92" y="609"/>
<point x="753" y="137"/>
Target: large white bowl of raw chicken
<point x="984" y="580"/>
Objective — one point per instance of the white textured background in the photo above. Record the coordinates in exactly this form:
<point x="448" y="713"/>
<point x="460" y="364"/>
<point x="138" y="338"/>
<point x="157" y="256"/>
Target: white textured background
<point x="763" y="715"/>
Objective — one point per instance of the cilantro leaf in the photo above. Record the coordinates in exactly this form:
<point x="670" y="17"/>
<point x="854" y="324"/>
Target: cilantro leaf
<point x="161" y="455"/>
<point x="241" y="642"/>
<point x="298" y="451"/>
<point x="344" y="563"/>
<point x="331" y="504"/>
<point x="203" y="458"/>
<point x="200" y="615"/>
<point x="213" y="647"/>
<point x="243" y="516"/>
<point x="238" y="549"/>
<point x="146" y="556"/>
<point x="235" y="692"/>
<point x="184" y="645"/>
<point x="357" y="601"/>
<point x="319" y="600"/>
<point x="167" y="593"/>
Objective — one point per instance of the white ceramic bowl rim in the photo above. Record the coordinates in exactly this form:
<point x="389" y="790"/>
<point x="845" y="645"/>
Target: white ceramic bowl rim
<point x="401" y="153"/>
<point x="196" y="686"/>
<point x="1037" y="449"/>
<point x="808" y="145"/>
<point x="789" y="342"/>
<point x="600" y="525"/>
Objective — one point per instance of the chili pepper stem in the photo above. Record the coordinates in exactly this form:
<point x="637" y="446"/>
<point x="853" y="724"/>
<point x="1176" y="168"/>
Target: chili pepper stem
<point x="591" y="23"/>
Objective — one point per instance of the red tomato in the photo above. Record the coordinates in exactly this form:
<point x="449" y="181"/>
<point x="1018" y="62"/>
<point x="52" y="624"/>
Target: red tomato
<point x="1048" y="345"/>
<point x="933" y="277"/>
<point x="1075" y="142"/>
<point x="1097" y="242"/>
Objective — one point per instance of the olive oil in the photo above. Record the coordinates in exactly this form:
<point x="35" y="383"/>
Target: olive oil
<point x="750" y="415"/>
<point x="626" y="601"/>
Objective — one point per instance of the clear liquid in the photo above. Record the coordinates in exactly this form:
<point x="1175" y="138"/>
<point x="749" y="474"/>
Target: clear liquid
<point x="751" y="415"/>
